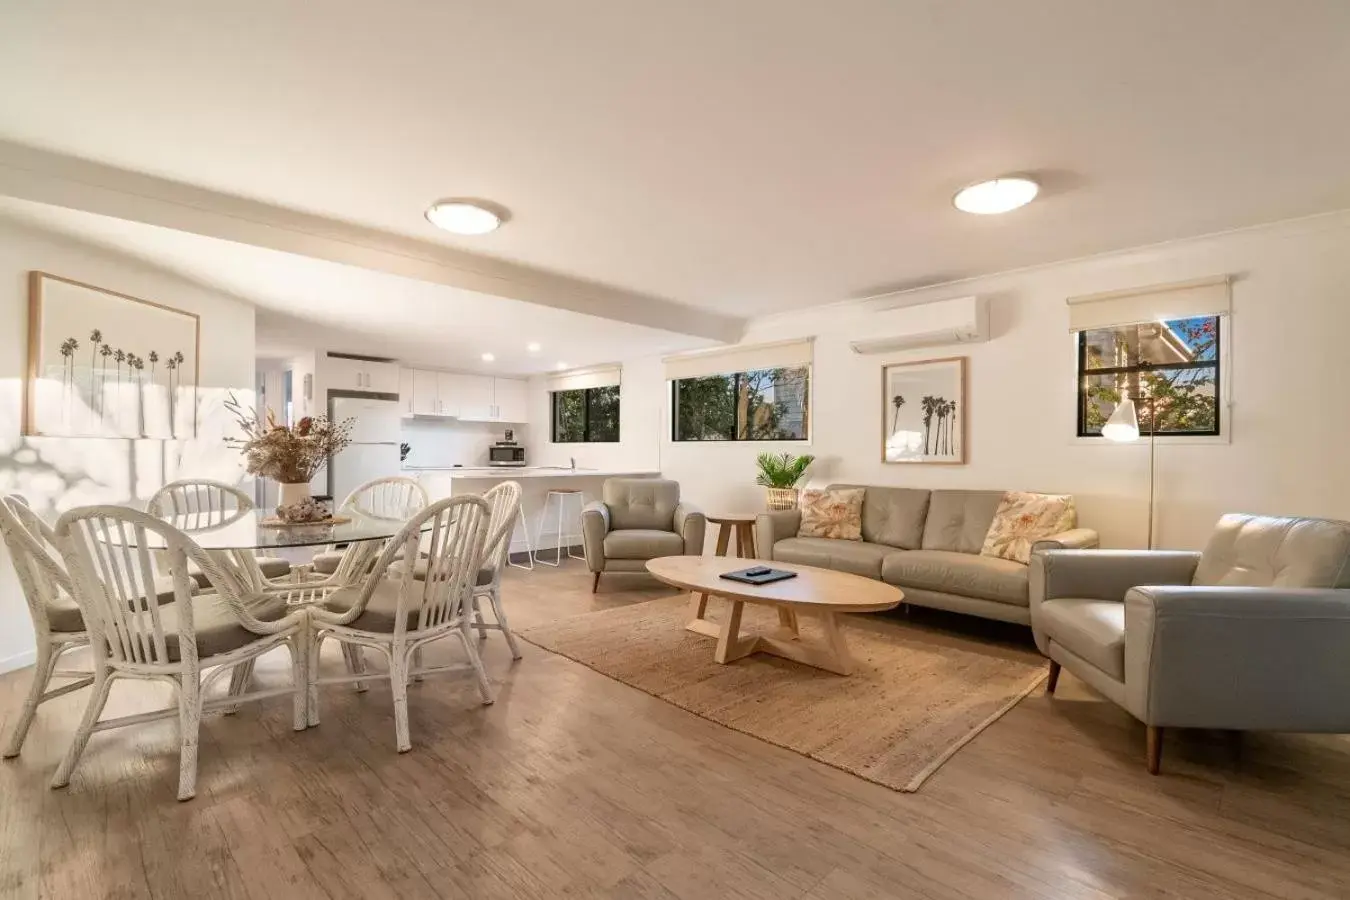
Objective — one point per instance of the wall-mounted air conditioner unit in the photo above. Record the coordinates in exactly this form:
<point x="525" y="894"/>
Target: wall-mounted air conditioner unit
<point x="961" y="321"/>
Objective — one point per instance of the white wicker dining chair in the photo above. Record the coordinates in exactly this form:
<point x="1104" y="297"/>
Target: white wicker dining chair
<point x="397" y="615"/>
<point x="504" y="499"/>
<point x="396" y="497"/>
<point x="196" y="503"/>
<point x="211" y="634"/>
<point x="57" y="623"/>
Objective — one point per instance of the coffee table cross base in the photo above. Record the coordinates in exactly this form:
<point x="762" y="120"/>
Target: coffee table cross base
<point x="830" y="654"/>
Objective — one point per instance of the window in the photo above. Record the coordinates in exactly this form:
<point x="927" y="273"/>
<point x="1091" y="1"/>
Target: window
<point x="1172" y="365"/>
<point x="758" y="405"/>
<point x="586" y="415"/>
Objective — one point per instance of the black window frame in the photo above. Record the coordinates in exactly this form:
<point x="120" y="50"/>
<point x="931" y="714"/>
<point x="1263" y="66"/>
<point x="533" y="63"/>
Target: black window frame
<point x="1142" y="410"/>
<point x="736" y="424"/>
<point x="587" y="436"/>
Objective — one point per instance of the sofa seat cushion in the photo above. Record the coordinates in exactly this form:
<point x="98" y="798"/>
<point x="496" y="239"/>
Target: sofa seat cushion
<point x="642" y="543"/>
<point x="216" y="626"/>
<point x="855" y="557"/>
<point x="966" y="574"/>
<point x="1091" y="629"/>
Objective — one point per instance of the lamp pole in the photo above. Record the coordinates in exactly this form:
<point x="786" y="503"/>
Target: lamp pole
<point x="1152" y="456"/>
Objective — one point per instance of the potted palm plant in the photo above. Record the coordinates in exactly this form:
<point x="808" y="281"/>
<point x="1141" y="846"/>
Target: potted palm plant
<point x="781" y="473"/>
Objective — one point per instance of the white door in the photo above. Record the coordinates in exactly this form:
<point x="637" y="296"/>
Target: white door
<point x="425" y="400"/>
<point x="510" y="398"/>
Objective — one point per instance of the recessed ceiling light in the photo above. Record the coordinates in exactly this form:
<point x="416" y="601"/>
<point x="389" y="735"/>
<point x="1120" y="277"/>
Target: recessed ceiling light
<point x="533" y="347"/>
<point x="488" y="357"/>
<point x="465" y="216"/>
<point x="998" y="196"/>
<point x="560" y="366"/>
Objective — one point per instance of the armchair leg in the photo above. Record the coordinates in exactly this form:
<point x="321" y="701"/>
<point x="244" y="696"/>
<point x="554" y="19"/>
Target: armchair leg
<point x="595" y="584"/>
<point x="1155" y="739"/>
<point x="1053" y="681"/>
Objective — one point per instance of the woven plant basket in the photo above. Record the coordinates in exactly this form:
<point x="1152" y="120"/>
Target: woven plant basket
<point x="781" y="498"/>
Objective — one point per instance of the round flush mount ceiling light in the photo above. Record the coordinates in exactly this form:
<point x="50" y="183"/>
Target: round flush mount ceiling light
<point x="997" y="196"/>
<point x="465" y="216"/>
<point x="533" y="347"/>
<point x="487" y="357"/>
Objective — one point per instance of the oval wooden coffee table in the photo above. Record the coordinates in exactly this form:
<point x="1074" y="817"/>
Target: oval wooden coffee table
<point x="821" y="593"/>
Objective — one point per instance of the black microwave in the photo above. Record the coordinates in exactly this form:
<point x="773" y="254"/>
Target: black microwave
<point x="506" y="455"/>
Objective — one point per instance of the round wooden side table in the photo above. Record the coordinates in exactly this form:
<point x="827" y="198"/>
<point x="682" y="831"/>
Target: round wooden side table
<point x="740" y="524"/>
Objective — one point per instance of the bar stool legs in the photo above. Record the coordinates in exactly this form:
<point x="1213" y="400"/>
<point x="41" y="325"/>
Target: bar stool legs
<point x="560" y="496"/>
<point x="529" y="544"/>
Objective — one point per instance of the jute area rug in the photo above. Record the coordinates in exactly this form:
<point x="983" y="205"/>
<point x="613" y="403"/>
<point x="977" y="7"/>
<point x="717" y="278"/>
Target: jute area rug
<point x="916" y="696"/>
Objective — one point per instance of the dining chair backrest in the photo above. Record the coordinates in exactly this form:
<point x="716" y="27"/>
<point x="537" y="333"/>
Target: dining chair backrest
<point x="454" y="541"/>
<point x="199" y="500"/>
<point x="504" y="502"/>
<point x="37" y="562"/>
<point x="395" y="497"/>
<point x="106" y="552"/>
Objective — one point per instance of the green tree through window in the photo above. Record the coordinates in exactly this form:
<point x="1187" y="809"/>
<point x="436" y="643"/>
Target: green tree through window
<point x="758" y="405"/>
<point x="588" y="415"/>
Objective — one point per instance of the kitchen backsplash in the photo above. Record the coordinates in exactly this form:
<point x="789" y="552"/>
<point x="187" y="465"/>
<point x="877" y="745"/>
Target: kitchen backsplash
<point x="451" y="442"/>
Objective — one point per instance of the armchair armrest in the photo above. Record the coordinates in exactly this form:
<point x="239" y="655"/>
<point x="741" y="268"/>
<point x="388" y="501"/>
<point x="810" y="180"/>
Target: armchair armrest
<point x="1101" y="575"/>
<point x="594" y="527"/>
<point x="690" y="524"/>
<point x="772" y="527"/>
<point x="1243" y="658"/>
<point x="1073" y="539"/>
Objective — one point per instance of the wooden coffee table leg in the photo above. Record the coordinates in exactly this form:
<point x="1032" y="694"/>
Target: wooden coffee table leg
<point x="698" y="621"/>
<point x="730" y="645"/>
<point x="787" y="624"/>
<point x="830" y="654"/>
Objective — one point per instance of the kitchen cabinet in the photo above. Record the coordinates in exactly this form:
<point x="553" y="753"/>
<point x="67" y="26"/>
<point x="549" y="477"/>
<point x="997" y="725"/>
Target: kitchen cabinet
<point x="405" y="392"/>
<point x="470" y="396"/>
<point x="425" y="396"/>
<point x="343" y="374"/>
<point x="510" y="396"/>
<point x="473" y="398"/>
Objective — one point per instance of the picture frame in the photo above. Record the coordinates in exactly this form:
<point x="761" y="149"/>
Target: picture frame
<point x="924" y="412"/>
<point x="108" y="365"/>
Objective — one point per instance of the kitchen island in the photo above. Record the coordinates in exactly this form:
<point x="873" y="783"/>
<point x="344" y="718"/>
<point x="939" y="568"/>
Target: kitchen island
<point x="535" y="481"/>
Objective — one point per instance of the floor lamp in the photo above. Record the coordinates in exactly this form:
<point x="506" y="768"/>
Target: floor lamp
<point x="1123" y="427"/>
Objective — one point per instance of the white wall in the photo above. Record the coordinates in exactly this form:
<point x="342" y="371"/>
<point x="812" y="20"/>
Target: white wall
<point x="454" y="443"/>
<point x="1288" y="382"/>
<point x="58" y="473"/>
<point x="641" y="419"/>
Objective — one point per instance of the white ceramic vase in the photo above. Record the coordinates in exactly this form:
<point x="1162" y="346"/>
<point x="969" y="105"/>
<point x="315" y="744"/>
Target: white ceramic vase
<point x="289" y="494"/>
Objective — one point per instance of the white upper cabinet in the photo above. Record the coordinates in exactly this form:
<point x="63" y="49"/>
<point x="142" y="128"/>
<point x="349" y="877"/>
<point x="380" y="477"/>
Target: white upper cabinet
<point x="425" y="395"/>
<point x="471" y="396"/>
<point x="405" y="392"/>
<point x="381" y="378"/>
<point x="510" y="397"/>
<point x="343" y="374"/>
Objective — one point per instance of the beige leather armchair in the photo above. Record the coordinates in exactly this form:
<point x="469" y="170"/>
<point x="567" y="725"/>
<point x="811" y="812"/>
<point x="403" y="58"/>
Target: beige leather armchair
<point x="638" y="519"/>
<point x="1250" y="635"/>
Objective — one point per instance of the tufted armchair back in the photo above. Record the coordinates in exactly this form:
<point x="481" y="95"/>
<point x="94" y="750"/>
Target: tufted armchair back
<point x="641" y="503"/>
<point x="1271" y="551"/>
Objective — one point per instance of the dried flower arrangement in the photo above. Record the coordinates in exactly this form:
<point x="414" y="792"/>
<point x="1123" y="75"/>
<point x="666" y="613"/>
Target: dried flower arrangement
<point x="286" y="454"/>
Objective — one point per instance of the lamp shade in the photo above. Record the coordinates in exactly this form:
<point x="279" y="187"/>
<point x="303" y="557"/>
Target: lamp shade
<point x="1123" y="426"/>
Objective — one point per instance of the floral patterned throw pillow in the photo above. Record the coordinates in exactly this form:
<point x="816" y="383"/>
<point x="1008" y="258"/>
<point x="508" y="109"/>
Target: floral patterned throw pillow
<point x="1022" y="519"/>
<point x="832" y="514"/>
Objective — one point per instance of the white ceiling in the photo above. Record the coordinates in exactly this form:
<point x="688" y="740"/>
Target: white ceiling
<point x="743" y="157"/>
<point x="306" y="304"/>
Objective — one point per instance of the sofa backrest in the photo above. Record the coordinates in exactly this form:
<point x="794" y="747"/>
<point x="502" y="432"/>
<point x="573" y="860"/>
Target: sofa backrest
<point x="1270" y="551"/>
<point x="892" y="516"/>
<point x="959" y="520"/>
<point x="641" y="503"/>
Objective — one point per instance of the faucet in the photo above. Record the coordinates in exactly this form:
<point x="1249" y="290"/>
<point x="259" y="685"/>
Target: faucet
<point x="573" y="460"/>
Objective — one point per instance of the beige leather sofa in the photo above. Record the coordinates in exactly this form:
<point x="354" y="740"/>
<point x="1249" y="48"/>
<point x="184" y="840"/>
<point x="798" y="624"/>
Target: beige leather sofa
<point x="1253" y="634"/>
<point x="925" y="542"/>
<point x="638" y="519"/>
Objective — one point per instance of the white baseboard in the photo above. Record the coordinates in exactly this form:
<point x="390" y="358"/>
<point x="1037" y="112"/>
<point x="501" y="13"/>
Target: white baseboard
<point x="19" y="660"/>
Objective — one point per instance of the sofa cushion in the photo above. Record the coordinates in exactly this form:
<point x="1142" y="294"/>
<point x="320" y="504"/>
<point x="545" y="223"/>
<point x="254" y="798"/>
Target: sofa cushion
<point x="959" y="520"/>
<point x="641" y="503"/>
<point x="967" y="574"/>
<point x="1266" y="551"/>
<point x="856" y="557"/>
<point x="642" y="543"/>
<point x="1092" y="629"/>
<point x="893" y="516"/>
<point x="1022" y="519"/>
<point x="834" y="513"/>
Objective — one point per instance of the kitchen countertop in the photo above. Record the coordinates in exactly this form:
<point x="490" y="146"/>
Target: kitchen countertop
<point x="511" y="473"/>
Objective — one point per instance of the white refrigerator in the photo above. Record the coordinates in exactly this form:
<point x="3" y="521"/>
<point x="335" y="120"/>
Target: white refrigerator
<point x="373" y="452"/>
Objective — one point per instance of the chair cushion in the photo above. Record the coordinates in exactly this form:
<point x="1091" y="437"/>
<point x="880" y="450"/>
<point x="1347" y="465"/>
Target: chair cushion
<point x="981" y="577"/>
<point x="271" y="566"/>
<point x="893" y="516"/>
<point x="380" y="613"/>
<point x="1266" y="551"/>
<point x="327" y="562"/>
<point x="64" y="615"/>
<point x="642" y="543"/>
<point x="420" y="572"/>
<point x="218" y="630"/>
<point x="1092" y="629"/>
<point x="641" y="504"/>
<point x="855" y="557"/>
<point x="959" y="520"/>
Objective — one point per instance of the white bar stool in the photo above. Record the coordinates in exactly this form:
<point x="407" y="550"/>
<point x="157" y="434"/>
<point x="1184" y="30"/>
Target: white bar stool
<point x="560" y="496"/>
<point x="529" y="544"/>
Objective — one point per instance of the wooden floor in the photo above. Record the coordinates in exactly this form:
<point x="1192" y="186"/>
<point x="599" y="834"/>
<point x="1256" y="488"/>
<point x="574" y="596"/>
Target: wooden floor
<point x="574" y="785"/>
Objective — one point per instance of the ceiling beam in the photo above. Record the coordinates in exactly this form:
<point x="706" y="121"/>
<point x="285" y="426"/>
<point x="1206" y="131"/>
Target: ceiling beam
<point x="45" y="177"/>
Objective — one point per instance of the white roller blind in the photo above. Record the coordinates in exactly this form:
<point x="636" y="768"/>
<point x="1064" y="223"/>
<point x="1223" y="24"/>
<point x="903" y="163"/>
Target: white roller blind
<point x="740" y="358"/>
<point x="1156" y="303"/>
<point x="578" y="379"/>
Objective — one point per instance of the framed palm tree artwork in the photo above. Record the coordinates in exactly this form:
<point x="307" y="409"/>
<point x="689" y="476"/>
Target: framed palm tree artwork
<point x="104" y="364"/>
<point x="923" y="408"/>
